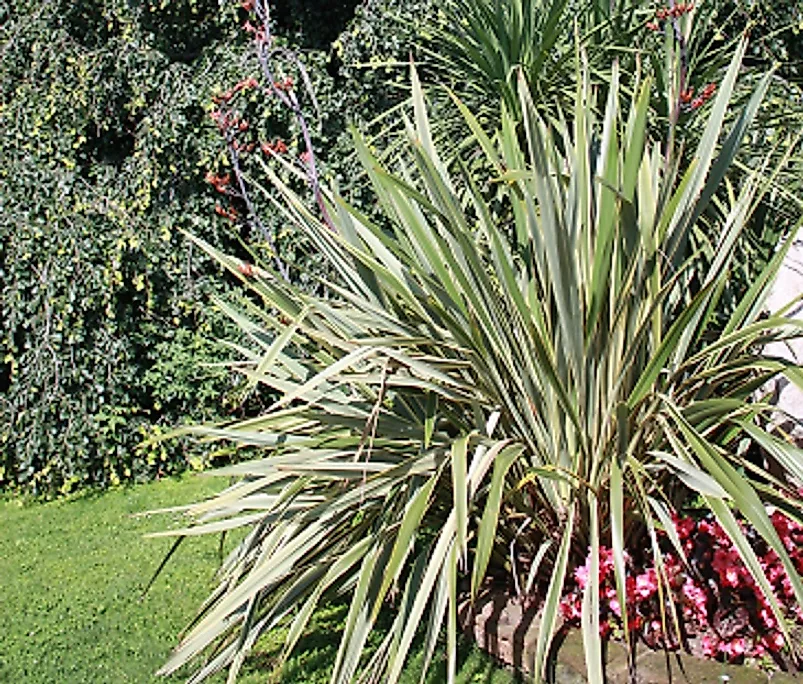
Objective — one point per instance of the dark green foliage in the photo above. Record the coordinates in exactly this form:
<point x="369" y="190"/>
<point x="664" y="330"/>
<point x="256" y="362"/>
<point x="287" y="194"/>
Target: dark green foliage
<point x="106" y="141"/>
<point x="313" y="23"/>
<point x="103" y="146"/>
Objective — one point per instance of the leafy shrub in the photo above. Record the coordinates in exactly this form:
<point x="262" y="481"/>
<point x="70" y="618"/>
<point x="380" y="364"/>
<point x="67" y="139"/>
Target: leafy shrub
<point x="479" y="49"/>
<point x="106" y="144"/>
<point x="538" y="369"/>
<point x="100" y="169"/>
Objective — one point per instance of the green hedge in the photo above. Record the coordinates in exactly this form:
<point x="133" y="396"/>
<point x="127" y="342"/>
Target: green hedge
<point x="101" y="152"/>
<point x="106" y="141"/>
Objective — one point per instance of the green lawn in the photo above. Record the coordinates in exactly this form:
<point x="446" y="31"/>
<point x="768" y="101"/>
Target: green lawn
<point x="73" y="571"/>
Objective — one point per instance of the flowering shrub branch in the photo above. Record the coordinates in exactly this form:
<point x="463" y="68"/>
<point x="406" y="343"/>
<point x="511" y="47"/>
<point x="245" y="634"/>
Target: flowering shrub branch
<point x="284" y="91"/>
<point x="234" y="128"/>
<point x="682" y="99"/>
<point x="231" y="126"/>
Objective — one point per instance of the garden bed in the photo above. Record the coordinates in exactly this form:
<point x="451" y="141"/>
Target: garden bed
<point x="507" y="630"/>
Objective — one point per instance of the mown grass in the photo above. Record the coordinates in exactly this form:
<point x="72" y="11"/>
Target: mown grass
<point x="73" y="572"/>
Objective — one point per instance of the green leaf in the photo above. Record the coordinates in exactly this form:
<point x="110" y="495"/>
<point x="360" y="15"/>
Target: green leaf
<point x="460" y="493"/>
<point x="486" y="534"/>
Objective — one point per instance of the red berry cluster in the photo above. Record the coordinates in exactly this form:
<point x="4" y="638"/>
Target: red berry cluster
<point x="286" y="84"/>
<point x="257" y="31"/>
<point x="246" y="269"/>
<point x="715" y="596"/>
<point x="675" y="11"/>
<point x="230" y="213"/>
<point x="228" y="122"/>
<point x="241" y="139"/>
<point x="229" y="95"/>
<point x="278" y="146"/>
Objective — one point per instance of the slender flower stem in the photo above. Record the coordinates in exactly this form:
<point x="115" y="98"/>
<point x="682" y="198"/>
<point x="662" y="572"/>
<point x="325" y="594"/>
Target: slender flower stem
<point x="253" y="216"/>
<point x="287" y="96"/>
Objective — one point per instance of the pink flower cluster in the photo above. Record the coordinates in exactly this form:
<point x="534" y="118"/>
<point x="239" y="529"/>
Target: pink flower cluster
<point x="713" y="594"/>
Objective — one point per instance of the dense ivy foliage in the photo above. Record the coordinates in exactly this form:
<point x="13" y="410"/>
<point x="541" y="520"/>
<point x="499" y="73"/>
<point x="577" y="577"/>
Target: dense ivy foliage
<point x="105" y="146"/>
<point x="102" y="146"/>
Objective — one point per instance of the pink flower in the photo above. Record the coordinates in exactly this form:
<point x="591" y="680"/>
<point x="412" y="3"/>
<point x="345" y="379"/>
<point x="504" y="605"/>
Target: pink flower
<point x="773" y="642"/>
<point x="581" y="575"/>
<point x="674" y="571"/>
<point x="605" y="561"/>
<point x="797" y="559"/>
<point x="731" y="577"/>
<point x="646" y="584"/>
<point x="772" y="567"/>
<point x="606" y="564"/>
<point x="630" y="588"/>
<point x="728" y="565"/>
<point x="697" y="597"/>
<point x="684" y="527"/>
<point x="783" y="524"/>
<point x="734" y="649"/>
<point x="710" y="646"/>
<point x="767" y="618"/>
<point x="571" y="607"/>
<point x="720" y="564"/>
<point x="714" y="529"/>
<point x="785" y="528"/>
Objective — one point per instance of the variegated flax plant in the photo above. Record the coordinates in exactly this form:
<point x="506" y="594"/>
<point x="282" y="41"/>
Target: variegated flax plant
<point x="545" y="365"/>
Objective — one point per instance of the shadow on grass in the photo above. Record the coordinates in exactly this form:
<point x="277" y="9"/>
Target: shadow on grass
<point x="312" y="660"/>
